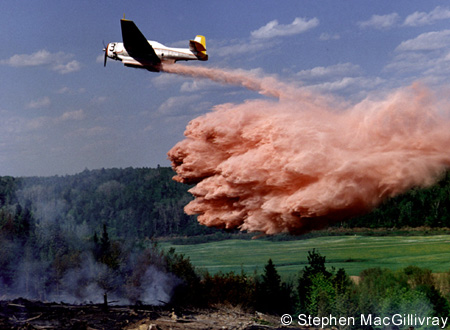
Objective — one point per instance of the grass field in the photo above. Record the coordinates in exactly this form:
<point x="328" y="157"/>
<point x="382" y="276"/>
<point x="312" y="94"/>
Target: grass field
<point x="353" y="253"/>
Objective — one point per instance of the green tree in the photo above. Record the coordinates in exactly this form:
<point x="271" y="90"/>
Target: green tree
<point x="271" y="293"/>
<point x="106" y="251"/>
<point x="372" y="287"/>
<point x="322" y="295"/>
<point x="271" y="281"/>
<point x="316" y="268"/>
<point x="345" y="299"/>
<point x="402" y="300"/>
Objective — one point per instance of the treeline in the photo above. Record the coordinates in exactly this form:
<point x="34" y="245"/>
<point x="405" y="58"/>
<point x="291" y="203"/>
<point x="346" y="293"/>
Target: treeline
<point x="133" y="203"/>
<point x="418" y="207"/>
<point x="320" y="291"/>
<point x="145" y="203"/>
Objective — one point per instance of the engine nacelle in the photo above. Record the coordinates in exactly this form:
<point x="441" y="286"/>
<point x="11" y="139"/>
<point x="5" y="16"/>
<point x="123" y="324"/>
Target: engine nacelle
<point x="115" y="50"/>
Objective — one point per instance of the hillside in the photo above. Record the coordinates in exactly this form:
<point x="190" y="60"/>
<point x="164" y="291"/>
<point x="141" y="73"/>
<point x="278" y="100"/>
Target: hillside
<point x="146" y="203"/>
<point x="418" y="207"/>
<point x="133" y="203"/>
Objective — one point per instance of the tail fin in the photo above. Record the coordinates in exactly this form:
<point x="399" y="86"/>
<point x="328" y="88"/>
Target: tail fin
<point x="198" y="46"/>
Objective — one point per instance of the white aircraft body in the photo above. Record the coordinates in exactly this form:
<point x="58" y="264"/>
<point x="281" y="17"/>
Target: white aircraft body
<point x="138" y="52"/>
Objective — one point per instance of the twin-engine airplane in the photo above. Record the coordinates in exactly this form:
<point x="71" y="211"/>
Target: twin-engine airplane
<point x="138" y="52"/>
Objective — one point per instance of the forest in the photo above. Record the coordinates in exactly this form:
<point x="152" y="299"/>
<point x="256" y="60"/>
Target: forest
<point x="143" y="203"/>
<point x="133" y="203"/>
<point x="75" y="238"/>
<point x="418" y="207"/>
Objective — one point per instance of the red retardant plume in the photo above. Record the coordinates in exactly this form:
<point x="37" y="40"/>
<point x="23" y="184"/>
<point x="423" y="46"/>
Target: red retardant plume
<point x="301" y="161"/>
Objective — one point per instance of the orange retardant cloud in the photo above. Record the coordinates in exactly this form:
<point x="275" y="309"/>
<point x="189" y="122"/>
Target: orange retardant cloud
<point x="301" y="161"/>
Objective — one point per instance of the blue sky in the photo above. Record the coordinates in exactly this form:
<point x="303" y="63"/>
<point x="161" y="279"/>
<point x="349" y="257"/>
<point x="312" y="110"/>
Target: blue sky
<point x="62" y="111"/>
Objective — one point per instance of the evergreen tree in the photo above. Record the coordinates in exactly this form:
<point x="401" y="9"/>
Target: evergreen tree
<point x="271" y="281"/>
<point x="316" y="270"/>
<point x="273" y="295"/>
<point x="269" y="289"/>
<point x="105" y="251"/>
<point x="105" y="243"/>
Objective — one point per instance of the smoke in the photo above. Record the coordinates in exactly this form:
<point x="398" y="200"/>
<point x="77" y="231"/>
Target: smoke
<point x="302" y="160"/>
<point x="157" y="286"/>
<point x="51" y="257"/>
<point x="85" y="280"/>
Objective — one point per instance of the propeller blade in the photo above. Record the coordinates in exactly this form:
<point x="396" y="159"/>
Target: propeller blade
<point x="105" y="49"/>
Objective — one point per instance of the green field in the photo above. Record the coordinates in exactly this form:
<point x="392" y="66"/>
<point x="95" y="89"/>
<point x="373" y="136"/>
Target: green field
<point x="353" y="253"/>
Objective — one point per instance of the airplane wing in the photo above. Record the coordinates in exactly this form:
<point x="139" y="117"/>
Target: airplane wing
<point x="135" y="42"/>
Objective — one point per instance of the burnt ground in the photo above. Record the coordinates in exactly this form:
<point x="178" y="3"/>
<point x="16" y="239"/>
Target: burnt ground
<point x="22" y="314"/>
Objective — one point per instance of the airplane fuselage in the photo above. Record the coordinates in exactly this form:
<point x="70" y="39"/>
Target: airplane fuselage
<point x="117" y="51"/>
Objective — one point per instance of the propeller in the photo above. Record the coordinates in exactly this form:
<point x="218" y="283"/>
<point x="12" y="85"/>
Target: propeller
<point x="105" y="49"/>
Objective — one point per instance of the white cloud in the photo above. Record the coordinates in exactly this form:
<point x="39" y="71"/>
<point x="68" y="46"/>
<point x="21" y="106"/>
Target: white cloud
<point x="166" y="80"/>
<point x="424" y="57"/>
<point x="70" y="91"/>
<point x="426" y="41"/>
<point x="41" y="57"/>
<point x="26" y="124"/>
<point x="99" y="99"/>
<point x="342" y="78"/>
<point x="327" y="36"/>
<point x="100" y="58"/>
<point x="353" y="87"/>
<point x="337" y="70"/>
<point x="36" y="123"/>
<point x="237" y="47"/>
<point x="179" y="104"/>
<point x="196" y="85"/>
<point x="69" y="67"/>
<point x="60" y="62"/>
<point x="274" y="29"/>
<point x="422" y="18"/>
<point x="406" y="61"/>
<point x="72" y="115"/>
<point x="258" y="38"/>
<point x="64" y="90"/>
<point x="89" y="132"/>
<point x="380" y="22"/>
<point x="39" y="103"/>
<point x="432" y="68"/>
